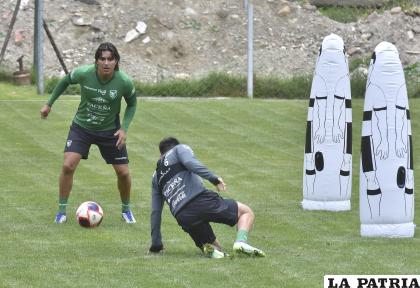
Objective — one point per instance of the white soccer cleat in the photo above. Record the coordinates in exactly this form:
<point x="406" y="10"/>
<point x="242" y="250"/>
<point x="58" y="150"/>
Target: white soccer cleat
<point x="246" y="249"/>
<point x="211" y="252"/>
<point x="60" y="218"/>
<point x="128" y="217"/>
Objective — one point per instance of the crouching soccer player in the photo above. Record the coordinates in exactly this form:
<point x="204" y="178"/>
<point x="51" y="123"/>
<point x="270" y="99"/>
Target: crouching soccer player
<point x="177" y="181"/>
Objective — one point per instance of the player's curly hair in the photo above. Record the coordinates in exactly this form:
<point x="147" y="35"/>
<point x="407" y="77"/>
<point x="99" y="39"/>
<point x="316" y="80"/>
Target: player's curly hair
<point x="107" y="46"/>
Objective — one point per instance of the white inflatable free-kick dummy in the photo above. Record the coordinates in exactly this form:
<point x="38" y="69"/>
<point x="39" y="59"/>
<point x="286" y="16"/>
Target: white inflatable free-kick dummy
<point x="328" y="150"/>
<point x="386" y="166"/>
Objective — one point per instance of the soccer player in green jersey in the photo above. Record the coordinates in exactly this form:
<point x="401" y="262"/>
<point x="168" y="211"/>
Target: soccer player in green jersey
<point x="97" y="121"/>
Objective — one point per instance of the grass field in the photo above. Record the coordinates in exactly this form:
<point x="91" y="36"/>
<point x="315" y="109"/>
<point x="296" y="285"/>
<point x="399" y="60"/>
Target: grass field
<point x="255" y="145"/>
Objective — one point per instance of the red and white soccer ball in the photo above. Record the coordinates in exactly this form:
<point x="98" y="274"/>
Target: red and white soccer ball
<point x="89" y="214"/>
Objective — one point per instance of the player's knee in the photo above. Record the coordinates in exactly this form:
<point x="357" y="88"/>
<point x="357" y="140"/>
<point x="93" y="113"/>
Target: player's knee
<point x="68" y="168"/>
<point x="123" y="173"/>
<point x="245" y="209"/>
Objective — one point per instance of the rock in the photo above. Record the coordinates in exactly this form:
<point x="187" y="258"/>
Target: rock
<point x="99" y="25"/>
<point x="19" y="36"/>
<point x="141" y="27"/>
<point x="309" y="7"/>
<point x="415" y="11"/>
<point x="190" y="12"/>
<point x="89" y="2"/>
<point x="96" y="36"/>
<point x="234" y="16"/>
<point x="131" y="35"/>
<point x="359" y="71"/>
<point x="136" y="32"/>
<point x="177" y="49"/>
<point x="285" y="11"/>
<point x="410" y="35"/>
<point x="354" y="51"/>
<point x="222" y="13"/>
<point x="396" y="10"/>
<point x="170" y="35"/>
<point x="366" y="36"/>
<point x="146" y="40"/>
<point x="24" y="4"/>
<point x="372" y="16"/>
<point x="80" y="21"/>
<point x="182" y="76"/>
<point x="149" y="52"/>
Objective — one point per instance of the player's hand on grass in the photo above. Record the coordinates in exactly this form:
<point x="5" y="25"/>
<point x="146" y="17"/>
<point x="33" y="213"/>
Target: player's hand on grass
<point x="156" y="248"/>
<point x="221" y="186"/>
<point x="45" y="110"/>
<point x="122" y="136"/>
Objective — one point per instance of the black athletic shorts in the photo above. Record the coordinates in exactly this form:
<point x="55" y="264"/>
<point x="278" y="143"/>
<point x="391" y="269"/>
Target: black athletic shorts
<point x="206" y="207"/>
<point x="80" y="139"/>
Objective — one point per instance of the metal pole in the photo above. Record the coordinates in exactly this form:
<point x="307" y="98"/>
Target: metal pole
<point x="56" y="50"/>
<point x="250" y="89"/>
<point x="38" y="46"/>
<point x="9" y="32"/>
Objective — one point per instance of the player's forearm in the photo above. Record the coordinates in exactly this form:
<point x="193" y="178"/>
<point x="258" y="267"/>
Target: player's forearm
<point x="156" y="214"/>
<point x="129" y="113"/>
<point x="155" y="222"/>
<point x="59" y="89"/>
<point x="198" y="168"/>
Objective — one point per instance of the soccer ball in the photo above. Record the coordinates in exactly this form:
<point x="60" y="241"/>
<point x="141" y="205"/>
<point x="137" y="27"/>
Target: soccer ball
<point x="89" y="214"/>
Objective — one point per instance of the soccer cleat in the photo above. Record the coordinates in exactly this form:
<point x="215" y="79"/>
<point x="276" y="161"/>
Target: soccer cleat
<point x="128" y="217"/>
<point x="60" y="218"/>
<point x="211" y="252"/>
<point x="246" y="249"/>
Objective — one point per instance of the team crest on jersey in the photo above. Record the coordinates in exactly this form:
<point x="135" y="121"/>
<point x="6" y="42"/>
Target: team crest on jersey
<point x="69" y="143"/>
<point x="113" y="93"/>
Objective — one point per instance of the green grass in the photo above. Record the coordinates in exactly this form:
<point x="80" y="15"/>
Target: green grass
<point x="255" y="145"/>
<point x="350" y="14"/>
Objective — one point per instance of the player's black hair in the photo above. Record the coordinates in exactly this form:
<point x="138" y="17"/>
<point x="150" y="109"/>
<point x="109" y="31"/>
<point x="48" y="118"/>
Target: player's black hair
<point x="167" y="144"/>
<point x="107" y="46"/>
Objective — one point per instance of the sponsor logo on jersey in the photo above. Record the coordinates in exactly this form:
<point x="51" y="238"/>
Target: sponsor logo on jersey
<point x="99" y="107"/>
<point x="103" y="92"/>
<point x="99" y="100"/>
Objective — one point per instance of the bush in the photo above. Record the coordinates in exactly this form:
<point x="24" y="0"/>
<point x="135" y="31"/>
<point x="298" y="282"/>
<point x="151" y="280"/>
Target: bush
<point x="297" y="87"/>
<point x="52" y="82"/>
<point x="352" y="14"/>
<point x="225" y="85"/>
<point x="212" y="85"/>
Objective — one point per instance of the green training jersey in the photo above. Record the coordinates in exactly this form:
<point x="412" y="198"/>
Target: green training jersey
<point x="100" y="102"/>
